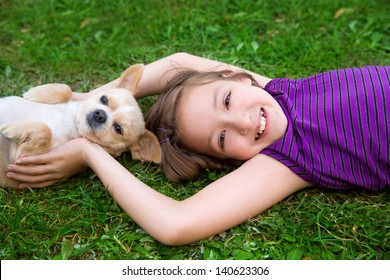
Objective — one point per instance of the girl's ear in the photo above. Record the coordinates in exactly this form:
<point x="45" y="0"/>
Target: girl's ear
<point x="245" y="80"/>
<point x="229" y="73"/>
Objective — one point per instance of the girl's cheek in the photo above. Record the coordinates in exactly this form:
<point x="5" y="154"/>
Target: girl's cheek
<point x="242" y="153"/>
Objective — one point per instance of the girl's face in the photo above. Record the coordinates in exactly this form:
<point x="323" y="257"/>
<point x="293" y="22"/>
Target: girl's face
<point x="229" y="119"/>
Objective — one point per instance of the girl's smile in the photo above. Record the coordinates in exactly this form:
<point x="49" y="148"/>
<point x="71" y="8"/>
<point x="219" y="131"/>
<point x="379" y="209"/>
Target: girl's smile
<point x="229" y="119"/>
<point x="262" y="124"/>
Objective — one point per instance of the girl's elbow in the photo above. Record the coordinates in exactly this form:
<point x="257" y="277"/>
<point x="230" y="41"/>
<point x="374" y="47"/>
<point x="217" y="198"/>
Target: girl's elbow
<point x="176" y="234"/>
<point x="180" y="56"/>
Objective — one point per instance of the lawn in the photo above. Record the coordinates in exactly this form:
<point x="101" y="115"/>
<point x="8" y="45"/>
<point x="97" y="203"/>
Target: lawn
<point x="87" y="43"/>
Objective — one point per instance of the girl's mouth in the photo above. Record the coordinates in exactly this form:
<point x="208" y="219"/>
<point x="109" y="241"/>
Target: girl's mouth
<point x="263" y="124"/>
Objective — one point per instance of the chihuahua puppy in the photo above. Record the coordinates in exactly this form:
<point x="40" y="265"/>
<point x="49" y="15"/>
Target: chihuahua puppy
<point x="46" y="117"/>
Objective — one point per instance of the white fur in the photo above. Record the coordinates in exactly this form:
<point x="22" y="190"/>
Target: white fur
<point x="61" y="118"/>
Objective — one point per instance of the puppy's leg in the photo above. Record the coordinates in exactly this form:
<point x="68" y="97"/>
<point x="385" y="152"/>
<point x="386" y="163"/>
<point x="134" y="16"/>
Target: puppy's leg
<point x="49" y="93"/>
<point x="27" y="138"/>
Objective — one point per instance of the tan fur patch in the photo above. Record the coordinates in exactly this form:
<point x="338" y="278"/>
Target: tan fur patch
<point x="20" y="139"/>
<point x="49" y="94"/>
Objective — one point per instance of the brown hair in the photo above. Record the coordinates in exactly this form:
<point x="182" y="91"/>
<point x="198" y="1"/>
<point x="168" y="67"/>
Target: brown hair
<point x="179" y="163"/>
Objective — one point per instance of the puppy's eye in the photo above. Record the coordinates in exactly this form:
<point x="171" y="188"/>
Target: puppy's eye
<point x="118" y="129"/>
<point x="104" y="100"/>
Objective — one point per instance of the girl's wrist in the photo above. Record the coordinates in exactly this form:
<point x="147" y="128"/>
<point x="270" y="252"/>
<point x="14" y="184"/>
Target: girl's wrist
<point x="90" y="151"/>
<point x="86" y="149"/>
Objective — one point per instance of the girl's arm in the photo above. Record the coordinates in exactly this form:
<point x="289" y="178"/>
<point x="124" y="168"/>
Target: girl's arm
<point x="257" y="185"/>
<point x="158" y="73"/>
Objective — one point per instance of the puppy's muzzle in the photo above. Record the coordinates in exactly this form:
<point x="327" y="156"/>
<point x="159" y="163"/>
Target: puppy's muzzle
<point x="96" y="118"/>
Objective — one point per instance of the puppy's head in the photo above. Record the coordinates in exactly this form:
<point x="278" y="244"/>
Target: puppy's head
<point x="114" y="120"/>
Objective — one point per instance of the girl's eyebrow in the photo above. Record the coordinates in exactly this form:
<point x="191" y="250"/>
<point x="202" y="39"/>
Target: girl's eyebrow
<point x="209" y="141"/>
<point x="215" y="97"/>
<point x="213" y="151"/>
<point x="210" y="137"/>
<point x="217" y="92"/>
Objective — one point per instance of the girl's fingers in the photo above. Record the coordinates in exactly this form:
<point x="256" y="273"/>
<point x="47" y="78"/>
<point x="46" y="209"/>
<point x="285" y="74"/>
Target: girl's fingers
<point x="35" y="179"/>
<point x="37" y="159"/>
<point x="47" y="169"/>
<point x="29" y="169"/>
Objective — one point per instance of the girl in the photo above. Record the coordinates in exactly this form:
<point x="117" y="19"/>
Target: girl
<point x="330" y="130"/>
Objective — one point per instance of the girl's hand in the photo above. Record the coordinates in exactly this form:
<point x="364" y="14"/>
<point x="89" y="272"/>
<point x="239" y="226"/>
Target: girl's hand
<point x="47" y="169"/>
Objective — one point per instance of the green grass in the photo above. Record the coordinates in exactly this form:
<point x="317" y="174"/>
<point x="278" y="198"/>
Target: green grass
<point x="87" y="43"/>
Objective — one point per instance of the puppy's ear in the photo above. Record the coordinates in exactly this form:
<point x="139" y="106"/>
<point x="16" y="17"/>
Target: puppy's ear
<point x="147" y="148"/>
<point x="130" y="78"/>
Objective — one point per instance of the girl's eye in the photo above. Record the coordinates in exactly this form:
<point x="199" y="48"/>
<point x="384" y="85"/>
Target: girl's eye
<point x="104" y="100"/>
<point x="222" y="137"/>
<point x="118" y="129"/>
<point x="227" y="100"/>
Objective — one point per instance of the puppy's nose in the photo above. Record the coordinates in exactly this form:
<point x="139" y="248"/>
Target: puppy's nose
<point x="100" y="116"/>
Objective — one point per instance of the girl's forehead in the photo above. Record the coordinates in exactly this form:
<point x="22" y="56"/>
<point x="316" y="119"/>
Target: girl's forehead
<point x="194" y="104"/>
<point x="201" y="84"/>
<point x="201" y="93"/>
<point x="208" y="86"/>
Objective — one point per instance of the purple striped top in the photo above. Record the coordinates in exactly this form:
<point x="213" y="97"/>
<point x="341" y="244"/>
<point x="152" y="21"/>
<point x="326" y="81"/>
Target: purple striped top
<point x="338" y="132"/>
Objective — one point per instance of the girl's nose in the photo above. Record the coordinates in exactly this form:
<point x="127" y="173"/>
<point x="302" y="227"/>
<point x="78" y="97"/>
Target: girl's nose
<point x="242" y="123"/>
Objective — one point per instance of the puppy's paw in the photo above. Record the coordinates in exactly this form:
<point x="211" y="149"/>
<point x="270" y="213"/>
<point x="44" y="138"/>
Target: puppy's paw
<point x="17" y="132"/>
<point x="27" y="137"/>
<point x="49" y="93"/>
<point x="23" y="131"/>
<point x="10" y="131"/>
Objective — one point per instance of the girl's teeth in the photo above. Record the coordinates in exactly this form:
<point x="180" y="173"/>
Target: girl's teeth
<point x="263" y="122"/>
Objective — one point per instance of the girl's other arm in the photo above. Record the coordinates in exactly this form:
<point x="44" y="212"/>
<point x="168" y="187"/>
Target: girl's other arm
<point x="158" y="73"/>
